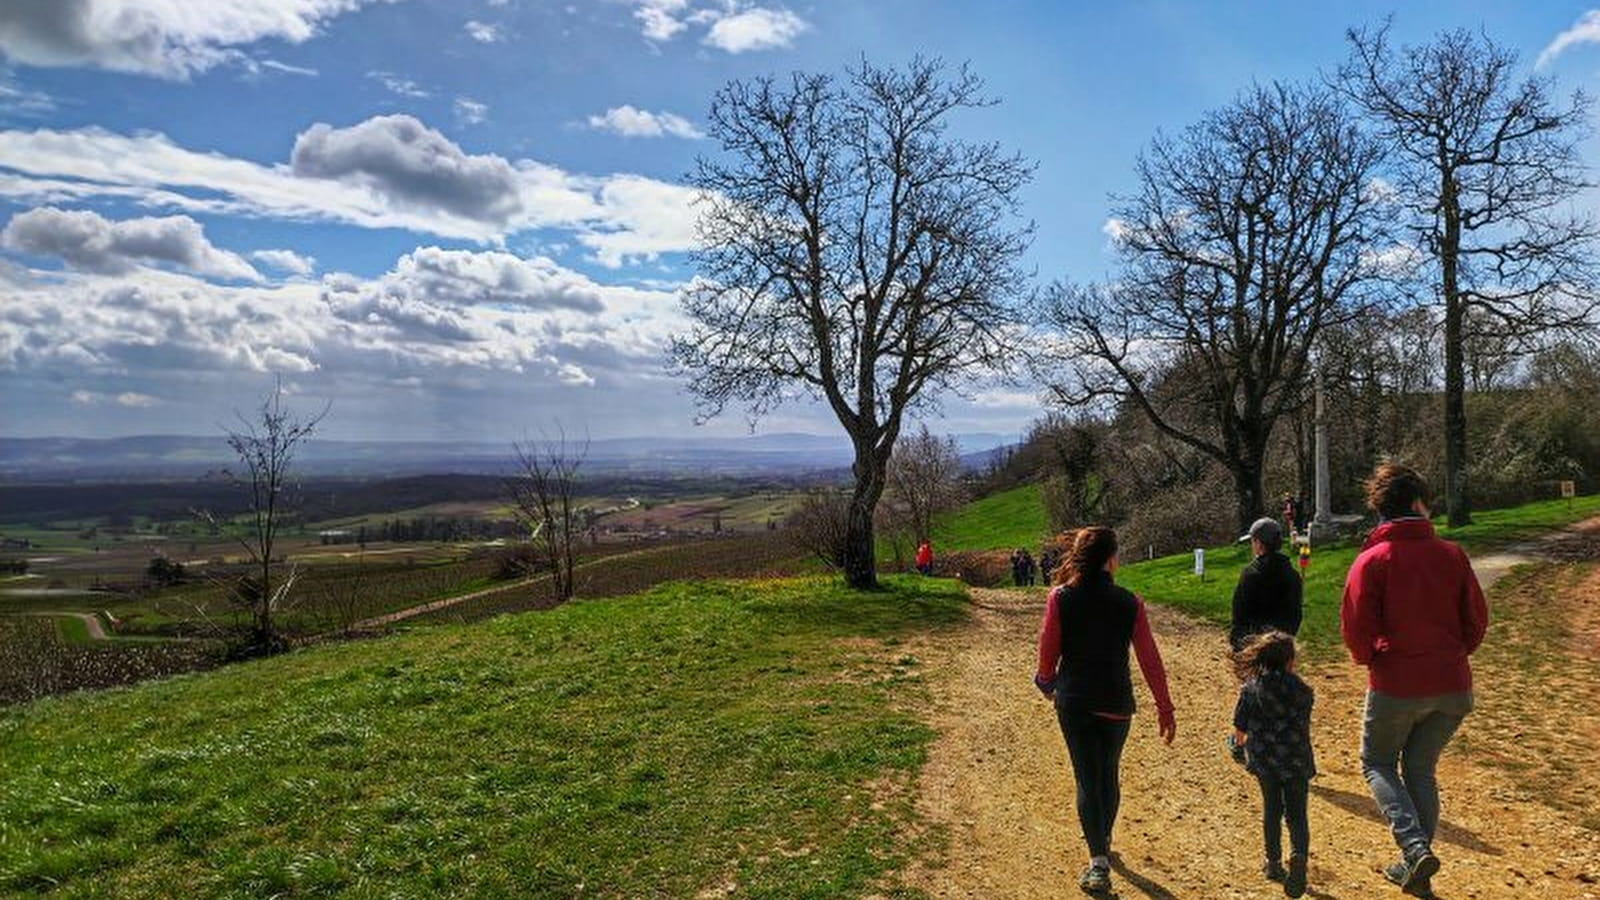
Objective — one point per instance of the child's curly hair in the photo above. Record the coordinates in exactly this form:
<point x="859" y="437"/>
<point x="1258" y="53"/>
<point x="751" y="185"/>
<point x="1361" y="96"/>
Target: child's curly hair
<point x="1269" y="651"/>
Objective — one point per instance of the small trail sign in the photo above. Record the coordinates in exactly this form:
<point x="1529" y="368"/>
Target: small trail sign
<point x="1569" y="489"/>
<point x="1200" y="562"/>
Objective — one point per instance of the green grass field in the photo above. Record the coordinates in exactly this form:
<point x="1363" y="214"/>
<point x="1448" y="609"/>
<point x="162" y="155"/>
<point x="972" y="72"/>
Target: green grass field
<point x="1002" y="521"/>
<point x="1171" y="579"/>
<point x="690" y="738"/>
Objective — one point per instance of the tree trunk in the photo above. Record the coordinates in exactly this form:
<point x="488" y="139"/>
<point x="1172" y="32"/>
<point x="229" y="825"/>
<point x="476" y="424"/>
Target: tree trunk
<point x="1251" y="495"/>
<point x="860" y="554"/>
<point x="1457" y="500"/>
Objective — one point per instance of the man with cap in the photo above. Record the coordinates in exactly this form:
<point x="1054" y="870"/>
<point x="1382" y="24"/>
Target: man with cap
<point x="1268" y="594"/>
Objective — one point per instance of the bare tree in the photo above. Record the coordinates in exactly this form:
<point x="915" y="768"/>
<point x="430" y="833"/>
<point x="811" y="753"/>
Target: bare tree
<point x="1251" y="234"/>
<point x="852" y="251"/>
<point x="544" y="494"/>
<point x="1486" y="162"/>
<point x="819" y="525"/>
<point x="265" y="444"/>
<point x="924" y="480"/>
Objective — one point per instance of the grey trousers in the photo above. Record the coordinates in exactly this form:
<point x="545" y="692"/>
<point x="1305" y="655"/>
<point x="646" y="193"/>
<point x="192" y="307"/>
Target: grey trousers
<point x="1401" y="739"/>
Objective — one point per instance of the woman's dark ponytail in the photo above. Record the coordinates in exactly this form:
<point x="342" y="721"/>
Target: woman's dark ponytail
<point x="1092" y="548"/>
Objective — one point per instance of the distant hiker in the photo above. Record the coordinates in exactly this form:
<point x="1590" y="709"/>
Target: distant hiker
<point x="1412" y="614"/>
<point x="1272" y="724"/>
<point x="1016" y="567"/>
<point x="925" y="558"/>
<point x="1049" y="559"/>
<point x="1290" y="517"/>
<point x="1302" y="514"/>
<point x="1089" y="623"/>
<point x="1027" y="568"/>
<point x="1268" y="595"/>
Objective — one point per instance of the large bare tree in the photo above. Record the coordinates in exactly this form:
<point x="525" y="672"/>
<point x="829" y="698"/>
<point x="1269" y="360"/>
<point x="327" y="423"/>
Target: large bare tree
<point x="852" y="250"/>
<point x="1486" y="161"/>
<point x="1251" y="233"/>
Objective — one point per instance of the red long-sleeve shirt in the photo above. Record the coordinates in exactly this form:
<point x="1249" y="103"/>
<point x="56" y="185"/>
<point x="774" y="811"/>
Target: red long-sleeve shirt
<point x="1144" y="647"/>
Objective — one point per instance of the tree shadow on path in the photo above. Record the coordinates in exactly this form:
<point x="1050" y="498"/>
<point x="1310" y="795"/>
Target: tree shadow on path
<point x="1364" y="806"/>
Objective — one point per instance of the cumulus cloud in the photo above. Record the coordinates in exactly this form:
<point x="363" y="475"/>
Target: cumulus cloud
<point x="287" y="261"/>
<point x="755" y="29"/>
<point x="1584" y="31"/>
<point x="417" y="167"/>
<point x="471" y="112"/>
<point x="731" y="25"/>
<point x="167" y="39"/>
<point x="90" y="242"/>
<point x="484" y="32"/>
<point x="629" y="121"/>
<point x="386" y="172"/>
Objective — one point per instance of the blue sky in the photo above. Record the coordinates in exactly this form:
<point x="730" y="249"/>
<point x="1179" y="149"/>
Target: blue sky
<point x="465" y="218"/>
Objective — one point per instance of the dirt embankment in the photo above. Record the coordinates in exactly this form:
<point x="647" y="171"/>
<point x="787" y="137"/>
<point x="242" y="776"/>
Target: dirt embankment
<point x="998" y="780"/>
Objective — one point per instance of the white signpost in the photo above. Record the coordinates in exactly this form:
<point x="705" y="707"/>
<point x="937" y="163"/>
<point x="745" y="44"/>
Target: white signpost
<point x="1200" y="562"/>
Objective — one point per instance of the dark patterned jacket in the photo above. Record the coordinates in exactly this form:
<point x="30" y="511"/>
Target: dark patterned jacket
<point x="1274" y="709"/>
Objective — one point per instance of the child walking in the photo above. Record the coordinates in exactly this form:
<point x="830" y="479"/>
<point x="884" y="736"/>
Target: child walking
<point x="1272" y="723"/>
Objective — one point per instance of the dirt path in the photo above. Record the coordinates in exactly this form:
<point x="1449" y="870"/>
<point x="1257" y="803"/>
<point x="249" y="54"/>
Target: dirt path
<point x="90" y="622"/>
<point x="998" y="780"/>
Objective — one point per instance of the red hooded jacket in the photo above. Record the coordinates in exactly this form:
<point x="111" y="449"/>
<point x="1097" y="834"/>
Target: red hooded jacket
<point x="1413" y="611"/>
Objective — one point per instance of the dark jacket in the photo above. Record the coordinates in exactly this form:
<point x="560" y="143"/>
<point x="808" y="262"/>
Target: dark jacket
<point x="1413" y="611"/>
<point x="1267" y="597"/>
<point x="1274" y="710"/>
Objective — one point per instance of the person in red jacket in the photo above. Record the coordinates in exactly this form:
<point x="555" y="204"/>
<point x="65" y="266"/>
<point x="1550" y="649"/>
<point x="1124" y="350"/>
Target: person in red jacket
<point x="1412" y="614"/>
<point x="1089" y="625"/>
<point x="925" y="558"/>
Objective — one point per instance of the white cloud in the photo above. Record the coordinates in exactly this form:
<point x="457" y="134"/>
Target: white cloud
<point x="287" y="261"/>
<point x="386" y="172"/>
<point x="132" y="399"/>
<point x="731" y="25"/>
<point x="1584" y="31"/>
<point x="643" y="219"/>
<point x="166" y="39"/>
<point x="89" y="242"/>
<point x="660" y="19"/>
<point x="755" y="29"/>
<point x="287" y="69"/>
<point x="484" y="32"/>
<point x="413" y="165"/>
<point x="470" y="112"/>
<point x="23" y="101"/>
<point x="395" y="84"/>
<point x="628" y="121"/>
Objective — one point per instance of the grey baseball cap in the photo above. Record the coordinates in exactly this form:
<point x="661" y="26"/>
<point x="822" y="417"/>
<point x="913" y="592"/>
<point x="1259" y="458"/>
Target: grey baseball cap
<point x="1267" y="531"/>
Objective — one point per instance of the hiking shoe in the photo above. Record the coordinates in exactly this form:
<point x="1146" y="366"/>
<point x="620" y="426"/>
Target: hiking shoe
<point x="1272" y="870"/>
<point x="1294" y="884"/>
<point x="1414" y="874"/>
<point x="1095" y="880"/>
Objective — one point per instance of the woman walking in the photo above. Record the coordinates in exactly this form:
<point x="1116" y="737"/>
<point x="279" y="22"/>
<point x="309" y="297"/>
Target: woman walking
<point x="1089" y="624"/>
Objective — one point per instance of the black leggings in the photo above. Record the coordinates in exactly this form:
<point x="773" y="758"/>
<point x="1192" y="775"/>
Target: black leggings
<point x="1095" y="745"/>
<point x="1284" y="800"/>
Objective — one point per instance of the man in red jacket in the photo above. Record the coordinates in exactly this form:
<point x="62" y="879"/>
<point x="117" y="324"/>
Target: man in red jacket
<point x="1412" y="614"/>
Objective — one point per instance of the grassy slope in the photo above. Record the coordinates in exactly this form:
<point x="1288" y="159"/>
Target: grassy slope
<point x="1006" y="520"/>
<point x="656" y="745"/>
<point x="1171" y="579"/>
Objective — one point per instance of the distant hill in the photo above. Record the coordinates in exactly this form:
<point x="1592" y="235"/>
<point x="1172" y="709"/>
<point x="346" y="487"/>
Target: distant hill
<point x="147" y="457"/>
